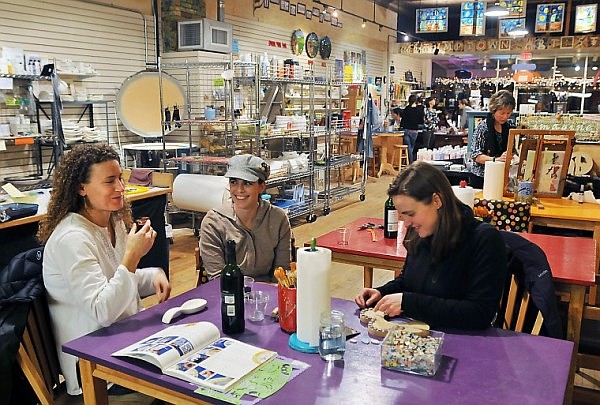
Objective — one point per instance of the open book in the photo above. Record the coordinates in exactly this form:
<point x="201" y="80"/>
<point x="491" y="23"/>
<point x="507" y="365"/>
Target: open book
<point x="195" y="352"/>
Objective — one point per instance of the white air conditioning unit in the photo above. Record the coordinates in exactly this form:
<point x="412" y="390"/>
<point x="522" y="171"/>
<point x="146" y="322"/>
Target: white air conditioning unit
<point x="204" y="35"/>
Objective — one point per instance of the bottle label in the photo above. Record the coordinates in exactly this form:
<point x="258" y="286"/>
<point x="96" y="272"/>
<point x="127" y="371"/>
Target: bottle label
<point x="230" y="310"/>
<point x="392" y="220"/>
<point x="229" y="299"/>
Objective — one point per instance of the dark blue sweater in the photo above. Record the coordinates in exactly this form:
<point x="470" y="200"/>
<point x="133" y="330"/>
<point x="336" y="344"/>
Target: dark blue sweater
<point x="461" y="291"/>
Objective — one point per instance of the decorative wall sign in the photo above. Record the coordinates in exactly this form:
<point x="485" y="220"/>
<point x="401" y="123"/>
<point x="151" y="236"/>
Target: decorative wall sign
<point x="566" y="42"/>
<point x="312" y="44"/>
<point x="549" y="17"/>
<point x="297" y="42"/>
<point x="585" y="18"/>
<point x="325" y="47"/>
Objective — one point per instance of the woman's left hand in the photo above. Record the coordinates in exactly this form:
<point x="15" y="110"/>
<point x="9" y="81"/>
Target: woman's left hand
<point x="161" y="286"/>
<point x="391" y="305"/>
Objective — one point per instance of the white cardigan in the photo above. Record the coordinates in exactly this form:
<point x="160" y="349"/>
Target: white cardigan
<point x="87" y="287"/>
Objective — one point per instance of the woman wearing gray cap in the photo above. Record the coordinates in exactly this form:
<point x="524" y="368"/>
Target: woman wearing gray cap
<point x="261" y="231"/>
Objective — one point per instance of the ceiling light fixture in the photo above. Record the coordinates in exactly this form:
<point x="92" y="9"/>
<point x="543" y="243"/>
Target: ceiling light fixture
<point x="406" y="37"/>
<point x="364" y="23"/>
<point x="518" y="31"/>
<point x="496" y="11"/>
<point x="577" y="68"/>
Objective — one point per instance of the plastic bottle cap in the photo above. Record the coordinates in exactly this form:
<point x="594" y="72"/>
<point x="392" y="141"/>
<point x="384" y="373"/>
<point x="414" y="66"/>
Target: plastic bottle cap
<point x="462" y="184"/>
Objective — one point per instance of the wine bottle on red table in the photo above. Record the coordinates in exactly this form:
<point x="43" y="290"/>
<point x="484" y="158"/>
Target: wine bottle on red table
<point x="390" y="220"/>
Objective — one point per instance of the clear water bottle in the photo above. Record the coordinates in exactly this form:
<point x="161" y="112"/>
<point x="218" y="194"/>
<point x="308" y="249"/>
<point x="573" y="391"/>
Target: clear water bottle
<point x="332" y="337"/>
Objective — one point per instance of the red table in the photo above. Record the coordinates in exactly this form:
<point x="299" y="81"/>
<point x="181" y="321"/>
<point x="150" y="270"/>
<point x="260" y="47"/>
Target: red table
<point x="572" y="261"/>
<point x="362" y="251"/>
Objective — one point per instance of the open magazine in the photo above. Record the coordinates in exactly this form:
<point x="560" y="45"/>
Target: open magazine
<point x="195" y="352"/>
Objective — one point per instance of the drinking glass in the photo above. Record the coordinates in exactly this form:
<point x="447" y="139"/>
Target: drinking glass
<point x="332" y="338"/>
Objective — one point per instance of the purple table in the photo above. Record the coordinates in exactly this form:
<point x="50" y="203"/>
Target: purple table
<point x="493" y="366"/>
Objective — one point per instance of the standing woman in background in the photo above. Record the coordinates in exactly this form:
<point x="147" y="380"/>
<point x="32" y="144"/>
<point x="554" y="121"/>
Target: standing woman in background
<point x="490" y="138"/>
<point x="90" y="258"/>
<point x="431" y="120"/>
<point x="413" y="117"/>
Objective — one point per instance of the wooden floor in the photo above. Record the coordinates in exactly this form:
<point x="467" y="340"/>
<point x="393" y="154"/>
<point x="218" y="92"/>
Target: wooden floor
<point x="346" y="280"/>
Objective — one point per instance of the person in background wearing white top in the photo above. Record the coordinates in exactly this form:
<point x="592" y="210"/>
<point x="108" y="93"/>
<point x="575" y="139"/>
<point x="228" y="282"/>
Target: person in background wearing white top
<point x="90" y="258"/>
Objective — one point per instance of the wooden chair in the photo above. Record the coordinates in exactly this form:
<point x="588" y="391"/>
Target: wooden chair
<point x="518" y="299"/>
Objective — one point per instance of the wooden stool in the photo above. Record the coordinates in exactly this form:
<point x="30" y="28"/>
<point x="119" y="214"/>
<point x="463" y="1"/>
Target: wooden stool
<point x="402" y="155"/>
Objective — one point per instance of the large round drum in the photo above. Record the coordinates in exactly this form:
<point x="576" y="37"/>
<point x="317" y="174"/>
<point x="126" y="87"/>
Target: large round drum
<point x="138" y="102"/>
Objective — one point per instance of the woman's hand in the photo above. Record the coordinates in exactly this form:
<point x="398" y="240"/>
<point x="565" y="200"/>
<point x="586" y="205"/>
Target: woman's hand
<point x="138" y="244"/>
<point x="367" y="297"/>
<point x="502" y="157"/>
<point x="161" y="286"/>
<point x="391" y="305"/>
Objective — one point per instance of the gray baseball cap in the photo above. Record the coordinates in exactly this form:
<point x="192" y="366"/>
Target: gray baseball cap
<point x="247" y="167"/>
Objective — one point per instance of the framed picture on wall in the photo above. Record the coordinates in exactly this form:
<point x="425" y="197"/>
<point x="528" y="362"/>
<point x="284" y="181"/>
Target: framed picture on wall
<point x="327" y="17"/>
<point x="585" y="18"/>
<point x="432" y="20"/>
<point x="516" y="8"/>
<point x="284" y="5"/>
<point x="301" y="8"/>
<point x="334" y="21"/>
<point x="472" y="18"/>
<point x="549" y="17"/>
<point x="506" y="25"/>
<point x="316" y="12"/>
<point x="308" y="14"/>
<point x="321" y="17"/>
<point x="292" y="9"/>
<point x="275" y="1"/>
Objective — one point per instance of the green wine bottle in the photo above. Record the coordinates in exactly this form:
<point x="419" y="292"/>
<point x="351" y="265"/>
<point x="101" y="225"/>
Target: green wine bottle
<point x="390" y="220"/>
<point x="232" y="294"/>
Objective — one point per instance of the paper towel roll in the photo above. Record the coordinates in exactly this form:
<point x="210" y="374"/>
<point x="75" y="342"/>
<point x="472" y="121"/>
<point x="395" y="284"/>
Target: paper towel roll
<point x="465" y="194"/>
<point x="493" y="180"/>
<point x="313" y="292"/>
<point x="199" y="192"/>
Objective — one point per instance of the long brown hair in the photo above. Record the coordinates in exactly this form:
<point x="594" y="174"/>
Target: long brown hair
<point x="421" y="181"/>
<point x="71" y="173"/>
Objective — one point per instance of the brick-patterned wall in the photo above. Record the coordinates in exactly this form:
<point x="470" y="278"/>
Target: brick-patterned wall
<point x="178" y="10"/>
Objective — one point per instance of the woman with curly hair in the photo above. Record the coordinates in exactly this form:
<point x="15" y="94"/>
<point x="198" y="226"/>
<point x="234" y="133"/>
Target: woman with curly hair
<point x="90" y="258"/>
<point x="455" y="265"/>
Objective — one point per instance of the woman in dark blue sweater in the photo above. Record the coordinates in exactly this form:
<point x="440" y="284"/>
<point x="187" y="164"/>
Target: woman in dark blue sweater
<point x="455" y="266"/>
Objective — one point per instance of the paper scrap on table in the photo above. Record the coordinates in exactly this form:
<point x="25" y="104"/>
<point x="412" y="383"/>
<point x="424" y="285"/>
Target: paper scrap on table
<point x="12" y="191"/>
<point x="2" y="145"/>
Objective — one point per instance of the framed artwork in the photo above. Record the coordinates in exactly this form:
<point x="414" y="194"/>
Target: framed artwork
<point x="266" y="3"/>
<point x="327" y="17"/>
<point x="301" y="8"/>
<point x="321" y="17"/>
<point x="292" y="9"/>
<point x="566" y="42"/>
<point x="506" y="25"/>
<point x="316" y="12"/>
<point x="585" y="18"/>
<point x="284" y="5"/>
<point x="549" y="17"/>
<point x="472" y="18"/>
<point x="334" y="21"/>
<point x="432" y="20"/>
<point x="308" y="14"/>
<point x="542" y="157"/>
<point x="516" y="8"/>
<point x="275" y="1"/>
<point x="340" y="24"/>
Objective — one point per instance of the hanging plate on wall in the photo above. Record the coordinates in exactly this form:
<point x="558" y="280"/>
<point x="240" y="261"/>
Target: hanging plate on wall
<point x="325" y="47"/>
<point x="297" y="42"/>
<point x="312" y="45"/>
<point x="138" y="102"/>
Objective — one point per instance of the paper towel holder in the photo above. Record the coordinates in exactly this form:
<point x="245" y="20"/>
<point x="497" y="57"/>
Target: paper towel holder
<point x="550" y="151"/>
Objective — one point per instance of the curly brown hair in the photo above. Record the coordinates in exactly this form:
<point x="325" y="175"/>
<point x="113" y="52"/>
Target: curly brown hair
<point x="74" y="170"/>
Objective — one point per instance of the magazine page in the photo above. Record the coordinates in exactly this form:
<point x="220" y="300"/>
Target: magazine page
<point x="170" y="345"/>
<point x="221" y="364"/>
